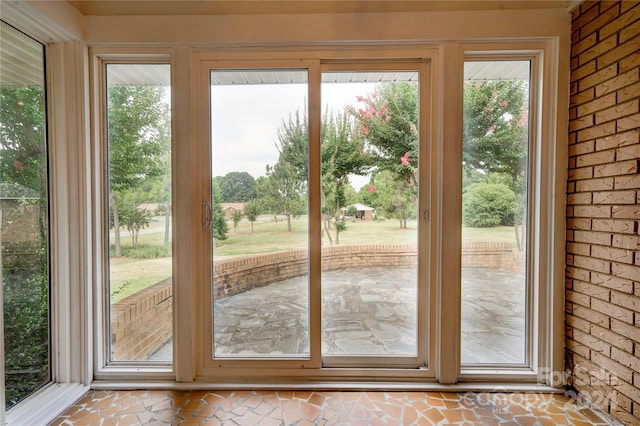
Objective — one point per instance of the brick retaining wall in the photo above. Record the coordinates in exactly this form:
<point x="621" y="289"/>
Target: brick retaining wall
<point x="141" y="323"/>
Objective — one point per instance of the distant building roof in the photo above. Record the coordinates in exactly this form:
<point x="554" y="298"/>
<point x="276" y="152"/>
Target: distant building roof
<point x="235" y="206"/>
<point x="361" y="207"/>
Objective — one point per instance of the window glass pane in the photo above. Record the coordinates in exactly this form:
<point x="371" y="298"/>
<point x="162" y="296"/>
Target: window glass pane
<point x="494" y="212"/>
<point x="259" y="150"/>
<point x="139" y="153"/>
<point x="24" y="214"/>
<point x="369" y="220"/>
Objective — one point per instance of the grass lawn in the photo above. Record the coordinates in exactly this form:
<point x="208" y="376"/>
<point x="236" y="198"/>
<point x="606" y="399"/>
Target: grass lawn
<point x="129" y="276"/>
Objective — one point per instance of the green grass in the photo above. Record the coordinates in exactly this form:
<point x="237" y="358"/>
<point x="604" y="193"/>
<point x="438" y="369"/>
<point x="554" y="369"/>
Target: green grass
<point x="500" y="234"/>
<point x="269" y="236"/>
<point x="129" y="275"/>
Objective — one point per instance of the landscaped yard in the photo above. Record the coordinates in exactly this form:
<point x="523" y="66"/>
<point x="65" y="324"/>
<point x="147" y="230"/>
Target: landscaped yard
<point x="130" y="275"/>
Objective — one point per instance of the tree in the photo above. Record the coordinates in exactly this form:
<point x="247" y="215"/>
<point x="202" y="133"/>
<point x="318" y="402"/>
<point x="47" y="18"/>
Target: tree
<point x="237" y="187"/>
<point x="25" y="265"/>
<point x="342" y="153"/>
<point x="282" y="191"/>
<point x="236" y="217"/>
<point x="496" y="136"/>
<point x="22" y="142"/>
<point x="252" y="211"/>
<point x="218" y="221"/>
<point x="134" y="220"/>
<point x="138" y="138"/>
<point x="393" y="197"/>
<point x="388" y="120"/>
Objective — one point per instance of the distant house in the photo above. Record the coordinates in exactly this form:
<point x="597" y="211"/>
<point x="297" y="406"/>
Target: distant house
<point x="20" y="212"/>
<point x="364" y="212"/>
<point x="150" y="208"/>
<point x="230" y="208"/>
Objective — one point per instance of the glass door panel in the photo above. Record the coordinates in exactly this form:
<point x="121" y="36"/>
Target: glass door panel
<point x="24" y="216"/>
<point x="494" y="327"/>
<point x="369" y="186"/>
<point x="259" y="149"/>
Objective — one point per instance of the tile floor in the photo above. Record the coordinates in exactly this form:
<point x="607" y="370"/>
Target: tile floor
<point x="162" y="407"/>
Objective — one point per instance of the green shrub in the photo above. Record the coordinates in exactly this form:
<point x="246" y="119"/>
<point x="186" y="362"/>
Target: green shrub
<point x="487" y="205"/>
<point x="26" y="333"/>
<point x="145" y="251"/>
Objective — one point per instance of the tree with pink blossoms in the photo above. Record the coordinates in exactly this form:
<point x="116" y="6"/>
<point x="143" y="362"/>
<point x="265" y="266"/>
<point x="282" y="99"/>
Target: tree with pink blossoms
<point x="388" y="121"/>
<point x="496" y="137"/>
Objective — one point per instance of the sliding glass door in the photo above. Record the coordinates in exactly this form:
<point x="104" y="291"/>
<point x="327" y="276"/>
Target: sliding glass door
<point x="314" y="216"/>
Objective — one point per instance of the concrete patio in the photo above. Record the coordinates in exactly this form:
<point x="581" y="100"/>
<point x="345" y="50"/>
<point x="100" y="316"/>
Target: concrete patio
<point x="371" y="312"/>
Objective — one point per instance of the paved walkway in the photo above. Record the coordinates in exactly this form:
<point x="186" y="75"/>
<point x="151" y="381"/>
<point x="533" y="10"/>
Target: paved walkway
<point x="369" y="312"/>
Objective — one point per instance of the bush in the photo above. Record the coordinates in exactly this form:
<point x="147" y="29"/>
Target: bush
<point x="488" y="204"/>
<point x="26" y="333"/>
<point x="144" y="251"/>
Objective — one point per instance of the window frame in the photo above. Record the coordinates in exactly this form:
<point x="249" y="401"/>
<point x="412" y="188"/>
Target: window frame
<point x="103" y="366"/>
<point x="188" y="68"/>
<point x="531" y="243"/>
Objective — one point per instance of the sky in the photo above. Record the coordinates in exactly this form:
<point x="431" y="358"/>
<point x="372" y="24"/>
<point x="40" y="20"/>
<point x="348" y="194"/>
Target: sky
<point x="245" y="121"/>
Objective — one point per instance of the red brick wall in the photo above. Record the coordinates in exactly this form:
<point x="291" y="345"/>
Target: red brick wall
<point x="142" y="322"/>
<point x="237" y="275"/>
<point x="603" y="214"/>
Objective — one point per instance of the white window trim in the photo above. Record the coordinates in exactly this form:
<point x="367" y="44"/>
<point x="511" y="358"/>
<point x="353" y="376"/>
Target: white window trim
<point x="446" y="77"/>
<point x="103" y="367"/>
<point x="69" y="206"/>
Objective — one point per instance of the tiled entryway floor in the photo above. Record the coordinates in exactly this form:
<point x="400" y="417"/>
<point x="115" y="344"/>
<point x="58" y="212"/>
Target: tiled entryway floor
<point x="324" y="408"/>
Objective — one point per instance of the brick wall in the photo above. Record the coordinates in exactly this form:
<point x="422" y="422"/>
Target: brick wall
<point x="237" y="275"/>
<point x="142" y="322"/>
<point x="603" y="214"/>
<point x="234" y="276"/>
<point x="493" y="255"/>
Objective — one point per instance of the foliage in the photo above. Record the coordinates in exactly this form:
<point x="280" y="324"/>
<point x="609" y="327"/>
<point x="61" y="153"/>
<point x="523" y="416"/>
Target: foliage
<point x="144" y="251"/>
<point x="26" y="330"/>
<point x="139" y="142"/>
<point x="134" y="220"/>
<point x="342" y="153"/>
<point x="252" y="211"/>
<point x="282" y="191"/>
<point x="23" y="170"/>
<point x="388" y="120"/>
<point x="236" y="217"/>
<point x="496" y="135"/>
<point x="392" y="197"/>
<point x="488" y="205"/>
<point x="22" y="137"/>
<point x="237" y="187"/>
<point x="218" y="221"/>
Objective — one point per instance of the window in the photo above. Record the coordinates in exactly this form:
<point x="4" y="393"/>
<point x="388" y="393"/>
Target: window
<point x="24" y="214"/>
<point x="496" y="327"/>
<point x="314" y="217"/>
<point x="139" y="200"/>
